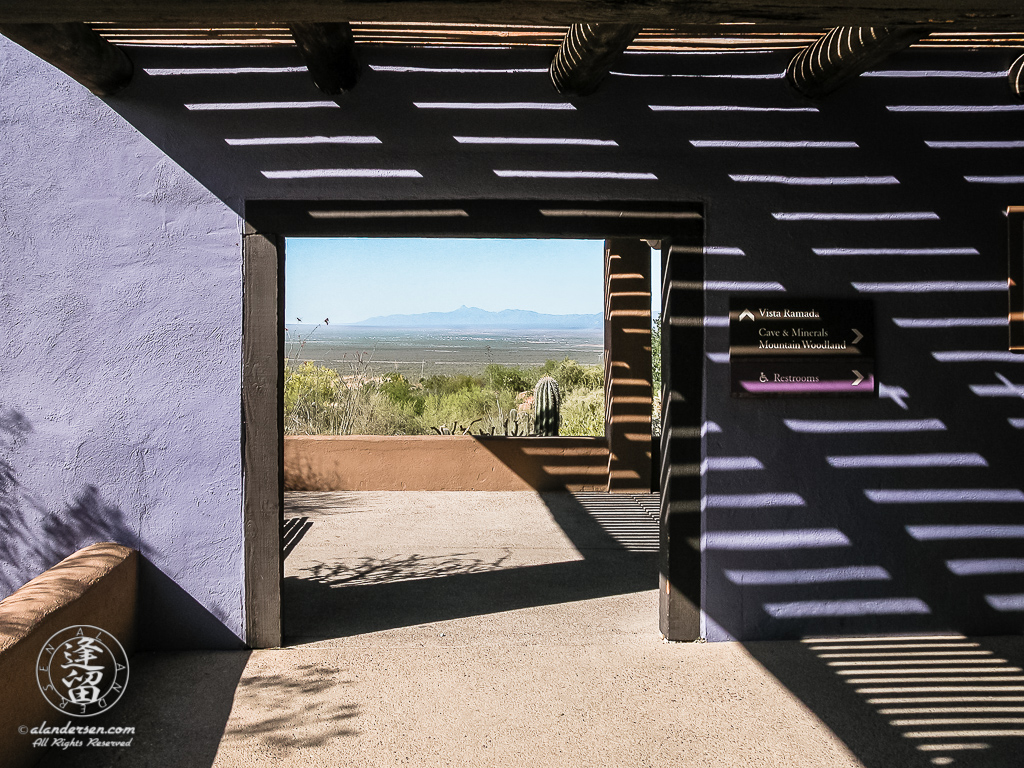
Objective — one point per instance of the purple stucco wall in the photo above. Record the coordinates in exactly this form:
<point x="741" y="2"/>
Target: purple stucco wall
<point x="120" y="299"/>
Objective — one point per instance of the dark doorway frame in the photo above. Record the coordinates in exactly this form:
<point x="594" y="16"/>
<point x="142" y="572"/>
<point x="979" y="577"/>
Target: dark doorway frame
<point x="677" y="226"/>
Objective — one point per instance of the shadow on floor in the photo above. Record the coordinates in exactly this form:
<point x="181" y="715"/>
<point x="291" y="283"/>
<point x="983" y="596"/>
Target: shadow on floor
<point x="346" y="598"/>
<point x="315" y="609"/>
<point x="910" y="701"/>
<point x="292" y="531"/>
<point x="178" y="703"/>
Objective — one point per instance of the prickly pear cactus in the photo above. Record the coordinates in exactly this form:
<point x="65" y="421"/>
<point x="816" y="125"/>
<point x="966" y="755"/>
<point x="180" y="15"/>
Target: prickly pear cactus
<point x="546" y="405"/>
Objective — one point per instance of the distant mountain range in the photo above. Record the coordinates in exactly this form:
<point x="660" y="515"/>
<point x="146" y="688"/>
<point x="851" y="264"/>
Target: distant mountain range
<point x="474" y="317"/>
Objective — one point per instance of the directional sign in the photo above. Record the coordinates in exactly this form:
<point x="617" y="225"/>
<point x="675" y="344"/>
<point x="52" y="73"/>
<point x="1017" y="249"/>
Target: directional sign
<point x="803" y="378"/>
<point x="802" y="347"/>
<point x="800" y="327"/>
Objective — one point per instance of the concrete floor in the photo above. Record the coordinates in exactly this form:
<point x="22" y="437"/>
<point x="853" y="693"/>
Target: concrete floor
<point x="498" y="629"/>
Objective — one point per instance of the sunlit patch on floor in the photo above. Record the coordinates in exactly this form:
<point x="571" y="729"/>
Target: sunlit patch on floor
<point x="946" y="693"/>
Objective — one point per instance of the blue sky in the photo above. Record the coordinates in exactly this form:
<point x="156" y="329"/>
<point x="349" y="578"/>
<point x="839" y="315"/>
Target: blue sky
<point x="352" y="279"/>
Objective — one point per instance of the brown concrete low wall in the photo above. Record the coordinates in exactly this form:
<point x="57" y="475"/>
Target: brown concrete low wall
<point x="445" y="463"/>
<point x="95" y="586"/>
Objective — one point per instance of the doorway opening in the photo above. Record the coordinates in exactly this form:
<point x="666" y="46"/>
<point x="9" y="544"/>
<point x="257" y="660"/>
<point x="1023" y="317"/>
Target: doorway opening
<point x="620" y="225"/>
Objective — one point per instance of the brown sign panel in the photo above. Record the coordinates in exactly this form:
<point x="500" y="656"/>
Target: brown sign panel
<point x="804" y="378"/>
<point x="802" y="347"/>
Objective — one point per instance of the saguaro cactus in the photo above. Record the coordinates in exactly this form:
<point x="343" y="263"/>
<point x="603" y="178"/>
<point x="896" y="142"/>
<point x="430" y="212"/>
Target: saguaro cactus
<point x="546" y="405"/>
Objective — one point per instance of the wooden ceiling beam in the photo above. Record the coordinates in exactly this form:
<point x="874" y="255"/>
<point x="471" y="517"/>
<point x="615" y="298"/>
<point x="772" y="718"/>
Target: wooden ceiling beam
<point x="329" y="51"/>
<point x="1016" y="76"/>
<point x="959" y="14"/>
<point x="77" y="51"/>
<point x="586" y="54"/>
<point x="843" y="54"/>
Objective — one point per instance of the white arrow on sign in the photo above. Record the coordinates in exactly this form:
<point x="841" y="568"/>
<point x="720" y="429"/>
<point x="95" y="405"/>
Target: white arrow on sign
<point x="859" y="336"/>
<point x="746" y="314"/>
<point x="860" y="378"/>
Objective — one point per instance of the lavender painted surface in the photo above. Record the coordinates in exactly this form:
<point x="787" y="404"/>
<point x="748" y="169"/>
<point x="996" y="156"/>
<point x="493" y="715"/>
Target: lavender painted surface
<point x="119" y="419"/>
<point x="150" y="247"/>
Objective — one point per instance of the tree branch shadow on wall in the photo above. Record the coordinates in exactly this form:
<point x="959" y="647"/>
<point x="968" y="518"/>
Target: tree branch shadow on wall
<point x="13" y="426"/>
<point x="33" y="537"/>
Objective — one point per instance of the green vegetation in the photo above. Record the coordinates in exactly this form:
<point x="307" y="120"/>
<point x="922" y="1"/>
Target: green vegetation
<point x="583" y="413"/>
<point x="320" y="401"/>
<point x="656" y="357"/>
<point x="656" y="375"/>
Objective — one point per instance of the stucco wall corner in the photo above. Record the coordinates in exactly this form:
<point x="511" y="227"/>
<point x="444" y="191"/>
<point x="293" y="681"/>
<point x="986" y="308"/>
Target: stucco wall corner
<point x="120" y="287"/>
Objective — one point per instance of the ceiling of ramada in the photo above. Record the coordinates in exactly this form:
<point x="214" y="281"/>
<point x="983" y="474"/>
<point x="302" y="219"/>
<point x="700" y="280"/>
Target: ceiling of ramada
<point x="832" y="42"/>
<point x="732" y="37"/>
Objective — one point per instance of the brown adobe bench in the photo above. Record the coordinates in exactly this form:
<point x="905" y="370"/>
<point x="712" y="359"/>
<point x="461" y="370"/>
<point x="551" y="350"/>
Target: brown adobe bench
<point x="96" y="586"/>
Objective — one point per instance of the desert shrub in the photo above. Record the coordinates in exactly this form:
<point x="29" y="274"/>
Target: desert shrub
<point x="440" y="384"/>
<point x="398" y="389"/>
<point x="463" y="407"/>
<point x="316" y="401"/>
<point x="471" y="403"/>
<point x="576" y="376"/>
<point x="656" y="356"/>
<point x="548" y="369"/>
<point x="656" y="376"/>
<point x="379" y="414"/>
<point x="308" y="382"/>
<point x="583" y="413"/>
<point x="508" y="379"/>
<point x="571" y="375"/>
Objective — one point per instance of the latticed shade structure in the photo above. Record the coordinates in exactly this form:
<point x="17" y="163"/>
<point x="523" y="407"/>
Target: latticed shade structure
<point x="441" y="34"/>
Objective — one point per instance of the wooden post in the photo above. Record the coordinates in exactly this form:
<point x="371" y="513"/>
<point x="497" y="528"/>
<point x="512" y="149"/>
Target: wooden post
<point x="586" y="54"/>
<point x="77" y="51"/>
<point x="682" y="420"/>
<point x="627" y="364"/>
<point x="1015" y="243"/>
<point x="262" y="434"/>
